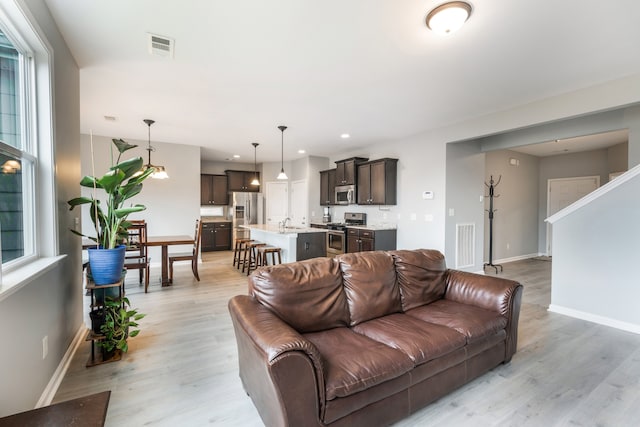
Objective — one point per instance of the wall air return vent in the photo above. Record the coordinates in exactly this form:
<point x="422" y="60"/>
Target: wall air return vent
<point x="160" y="45"/>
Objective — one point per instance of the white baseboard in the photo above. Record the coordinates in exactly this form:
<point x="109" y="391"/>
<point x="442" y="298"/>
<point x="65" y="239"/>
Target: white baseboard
<point x="516" y="258"/>
<point x="52" y="387"/>
<point x="594" y="318"/>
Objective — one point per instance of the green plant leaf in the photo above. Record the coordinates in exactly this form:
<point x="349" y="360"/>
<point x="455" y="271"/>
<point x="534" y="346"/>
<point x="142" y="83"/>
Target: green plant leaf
<point x="111" y="181"/>
<point x="89" y="181"/>
<point x="122" y="145"/>
<point x="134" y="333"/>
<point x="129" y="167"/>
<point x="79" y="201"/>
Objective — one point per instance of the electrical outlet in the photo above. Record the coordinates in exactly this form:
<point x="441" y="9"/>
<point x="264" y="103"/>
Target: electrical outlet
<point x="508" y="246"/>
<point x="45" y="346"/>
<point x="428" y="218"/>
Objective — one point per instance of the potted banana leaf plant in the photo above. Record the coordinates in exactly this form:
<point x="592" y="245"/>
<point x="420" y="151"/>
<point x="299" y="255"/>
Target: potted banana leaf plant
<point x="122" y="182"/>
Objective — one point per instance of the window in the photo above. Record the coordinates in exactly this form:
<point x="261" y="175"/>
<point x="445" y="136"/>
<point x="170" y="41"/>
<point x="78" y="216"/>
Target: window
<point x="17" y="160"/>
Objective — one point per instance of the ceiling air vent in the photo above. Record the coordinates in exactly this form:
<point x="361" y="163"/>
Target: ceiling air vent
<point x="160" y="45"/>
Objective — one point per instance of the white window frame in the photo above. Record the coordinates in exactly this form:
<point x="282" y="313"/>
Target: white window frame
<point x="22" y="29"/>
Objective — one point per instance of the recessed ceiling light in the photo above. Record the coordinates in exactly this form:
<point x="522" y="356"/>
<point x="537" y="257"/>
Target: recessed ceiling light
<point x="301" y="151"/>
<point x="345" y="136"/>
<point x="236" y="156"/>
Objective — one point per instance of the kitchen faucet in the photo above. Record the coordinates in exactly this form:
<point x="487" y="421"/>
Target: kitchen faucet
<point x="283" y="224"/>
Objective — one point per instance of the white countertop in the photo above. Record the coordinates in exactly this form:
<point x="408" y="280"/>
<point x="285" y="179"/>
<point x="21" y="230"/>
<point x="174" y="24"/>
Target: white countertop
<point x="374" y="227"/>
<point x="288" y="230"/>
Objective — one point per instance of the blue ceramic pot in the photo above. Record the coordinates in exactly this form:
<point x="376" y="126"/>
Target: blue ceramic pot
<point x="106" y="265"/>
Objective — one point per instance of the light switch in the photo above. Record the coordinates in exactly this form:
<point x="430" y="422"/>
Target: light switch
<point x="414" y="217"/>
<point x="452" y="212"/>
<point x="428" y="218"/>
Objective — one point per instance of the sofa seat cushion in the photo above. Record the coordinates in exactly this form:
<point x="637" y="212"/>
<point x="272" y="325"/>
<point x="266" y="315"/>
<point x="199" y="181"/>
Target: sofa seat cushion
<point x="419" y="340"/>
<point x="353" y="362"/>
<point x="473" y="322"/>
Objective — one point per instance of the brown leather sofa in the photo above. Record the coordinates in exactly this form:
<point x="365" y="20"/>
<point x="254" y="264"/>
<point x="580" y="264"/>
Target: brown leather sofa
<point x="365" y="339"/>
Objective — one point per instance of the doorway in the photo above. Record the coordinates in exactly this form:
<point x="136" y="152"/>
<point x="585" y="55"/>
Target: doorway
<point x="277" y="196"/>
<point x="562" y="192"/>
<point x="299" y="204"/>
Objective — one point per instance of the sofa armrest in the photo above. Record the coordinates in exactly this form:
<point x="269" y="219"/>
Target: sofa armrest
<point x="280" y="370"/>
<point x="491" y="293"/>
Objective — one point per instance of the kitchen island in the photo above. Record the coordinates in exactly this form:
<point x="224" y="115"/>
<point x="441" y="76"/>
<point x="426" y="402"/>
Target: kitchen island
<point x="297" y="243"/>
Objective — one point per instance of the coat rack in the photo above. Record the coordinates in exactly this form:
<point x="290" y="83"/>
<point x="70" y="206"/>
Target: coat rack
<point x="492" y="185"/>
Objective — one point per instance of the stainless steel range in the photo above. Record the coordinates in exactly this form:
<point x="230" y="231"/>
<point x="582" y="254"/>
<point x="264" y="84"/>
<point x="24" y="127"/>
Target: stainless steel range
<point x="337" y="232"/>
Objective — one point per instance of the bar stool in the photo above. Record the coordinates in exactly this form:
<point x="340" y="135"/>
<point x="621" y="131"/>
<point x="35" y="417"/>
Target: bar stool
<point x="264" y="251"/>
<point x="250" y="255"/>
<point x="238" y="251"/>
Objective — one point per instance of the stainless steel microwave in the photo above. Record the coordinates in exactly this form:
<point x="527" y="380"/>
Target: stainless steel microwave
<point x="345" y="194"/>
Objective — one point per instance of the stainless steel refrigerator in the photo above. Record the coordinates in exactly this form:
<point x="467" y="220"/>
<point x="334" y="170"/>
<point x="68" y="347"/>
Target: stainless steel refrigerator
<point x="246" y="208"/>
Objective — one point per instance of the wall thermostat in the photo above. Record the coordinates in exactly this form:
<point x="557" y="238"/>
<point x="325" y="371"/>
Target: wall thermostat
<point x="427" y="195"/>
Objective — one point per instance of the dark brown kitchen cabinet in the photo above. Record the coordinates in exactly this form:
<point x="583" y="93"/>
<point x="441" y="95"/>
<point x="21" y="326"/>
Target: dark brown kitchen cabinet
<point x="310" y="245"/>
<point x="346" y="170"/>
<point x="216" y="236"/>
<point x="327" y="187"/>
<point x="377" y="182"/>
<point x="213" y="190"/>
<point x="363" y="240"/>
<point x="241" y="181"/>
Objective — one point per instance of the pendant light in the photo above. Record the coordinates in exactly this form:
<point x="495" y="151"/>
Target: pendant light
<point x="160" y="172"/>
<point x="255" y="169"/>
<point x="282" y="175"/>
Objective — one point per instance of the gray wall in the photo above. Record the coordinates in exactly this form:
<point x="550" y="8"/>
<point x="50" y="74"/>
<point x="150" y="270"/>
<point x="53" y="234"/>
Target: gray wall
<point x="601" y="282"/>
<point x="465" y="193"/>
<point x="51" y="304"/>
<point x="588" y="163"/>
<point x="515" y="224"/>
<point x="618" y="157"/>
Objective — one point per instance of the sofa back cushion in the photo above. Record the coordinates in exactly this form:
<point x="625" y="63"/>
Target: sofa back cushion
<point x="421" y="276"/>
<point x="370" y="285"/>
<point x="308" y="295"/>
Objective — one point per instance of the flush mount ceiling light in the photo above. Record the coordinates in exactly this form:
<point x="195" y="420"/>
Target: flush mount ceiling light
<point x="448" y="17"/>
<point x="255" y="169"/>
<point x="160" y="172"/>
<point x="282" y="175"/>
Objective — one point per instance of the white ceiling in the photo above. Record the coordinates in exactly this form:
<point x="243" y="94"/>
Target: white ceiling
<point x="369" y="68"/>
<point x="575" y="144"/>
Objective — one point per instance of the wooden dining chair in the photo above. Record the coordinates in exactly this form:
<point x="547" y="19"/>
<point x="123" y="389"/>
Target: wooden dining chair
<point x="136" y="255"/>
<point x="188" y="256"/>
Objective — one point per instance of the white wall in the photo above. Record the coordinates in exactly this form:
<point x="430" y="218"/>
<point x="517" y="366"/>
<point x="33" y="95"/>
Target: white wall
<point x="173" y="204"/>
<point x="595" y="255"/>
<point x="51" y="304"/>
<point x="421" y="161"/>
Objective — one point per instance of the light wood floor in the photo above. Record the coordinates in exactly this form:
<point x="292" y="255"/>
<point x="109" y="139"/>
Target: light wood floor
<point x="182" y="368"/>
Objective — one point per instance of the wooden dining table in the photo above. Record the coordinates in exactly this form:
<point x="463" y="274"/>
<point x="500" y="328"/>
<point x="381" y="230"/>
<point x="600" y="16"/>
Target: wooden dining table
<point x="165" y="242"/>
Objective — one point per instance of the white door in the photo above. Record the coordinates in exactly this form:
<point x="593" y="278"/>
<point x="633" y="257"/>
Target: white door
<point x="277" y="201"/>
<point x="564" y="191"/>
<point x="299" y="203"/>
